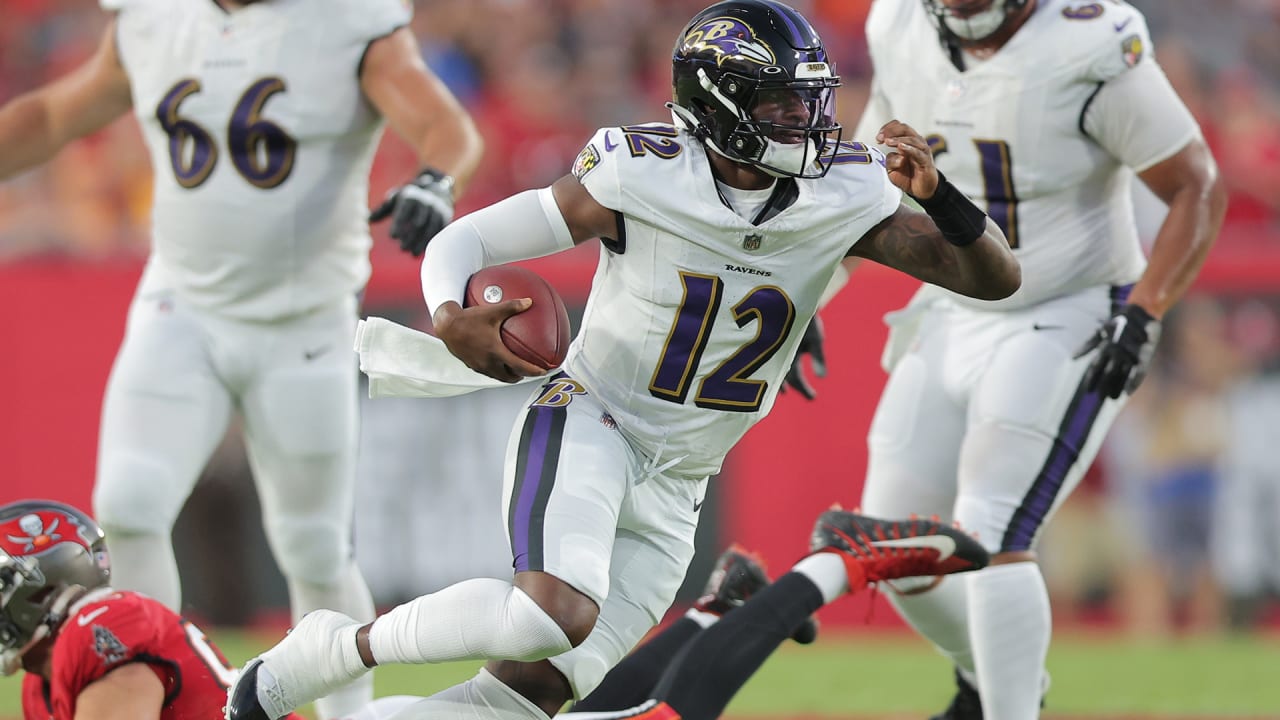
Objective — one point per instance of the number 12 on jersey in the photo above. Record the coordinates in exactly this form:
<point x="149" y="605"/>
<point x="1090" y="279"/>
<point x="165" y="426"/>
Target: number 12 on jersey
<point x="726" y="387"/>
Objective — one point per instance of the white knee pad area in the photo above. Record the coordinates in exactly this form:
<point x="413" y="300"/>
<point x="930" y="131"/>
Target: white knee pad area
<point x="481" y="619"/>
<point x="136" y="494"/>
<point x="310" y="549"/>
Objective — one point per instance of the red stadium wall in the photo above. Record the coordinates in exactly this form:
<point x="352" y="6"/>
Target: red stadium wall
<point x="62" y="322"/>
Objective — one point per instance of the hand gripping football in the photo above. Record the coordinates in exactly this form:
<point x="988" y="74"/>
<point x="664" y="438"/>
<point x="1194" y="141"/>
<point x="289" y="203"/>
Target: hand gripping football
<point x="540" y="334"/>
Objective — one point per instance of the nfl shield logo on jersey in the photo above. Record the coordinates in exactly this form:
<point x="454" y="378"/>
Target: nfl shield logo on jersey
<point x="752" y="242"/>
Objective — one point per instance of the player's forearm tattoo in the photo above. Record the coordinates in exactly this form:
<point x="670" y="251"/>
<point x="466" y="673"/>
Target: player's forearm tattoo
<point x="911" y="243"/>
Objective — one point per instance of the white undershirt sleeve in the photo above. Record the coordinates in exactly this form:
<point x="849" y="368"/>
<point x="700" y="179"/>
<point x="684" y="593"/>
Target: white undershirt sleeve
<point x="1138" y="117"/>
<point x="523" y="226"/>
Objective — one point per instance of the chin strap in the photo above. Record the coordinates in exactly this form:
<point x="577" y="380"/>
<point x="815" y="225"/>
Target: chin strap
<point x="683" y="118"/>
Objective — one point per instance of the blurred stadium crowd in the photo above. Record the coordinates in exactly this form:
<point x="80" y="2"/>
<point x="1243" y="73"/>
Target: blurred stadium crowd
<point x="1190" y="481"/>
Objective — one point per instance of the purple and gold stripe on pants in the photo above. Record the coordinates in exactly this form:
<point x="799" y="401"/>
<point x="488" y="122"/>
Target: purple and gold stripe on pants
<point x="1067" y="446"/>
<point x="536" y="462"/>
<point x="1071" y="438"/>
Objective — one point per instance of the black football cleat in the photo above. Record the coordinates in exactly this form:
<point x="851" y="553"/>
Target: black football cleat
<point x="891" y="549"/>
<point x="737" y="576"/>
<point x="242" y="698"/>
<point x="966" y="705"/>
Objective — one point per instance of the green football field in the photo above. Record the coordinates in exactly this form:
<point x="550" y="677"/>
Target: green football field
<point x="895" y="676"/>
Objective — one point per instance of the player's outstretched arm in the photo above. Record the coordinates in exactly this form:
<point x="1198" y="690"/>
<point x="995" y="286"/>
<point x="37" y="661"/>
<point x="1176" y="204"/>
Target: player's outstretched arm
<point x="910" y="241"/>
<point x="420" y="108"/>
<point x="34" y="126"/>
<point x="130" y="692"/>
<point x="952" y="244"/>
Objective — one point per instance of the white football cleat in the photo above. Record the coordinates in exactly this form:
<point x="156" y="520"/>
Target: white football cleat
<point x="314" y="659"/>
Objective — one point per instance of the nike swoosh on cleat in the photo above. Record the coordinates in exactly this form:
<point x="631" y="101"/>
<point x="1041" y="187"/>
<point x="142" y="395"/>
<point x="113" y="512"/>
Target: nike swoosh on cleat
<point x="945" y="546"/>
<point x="89" y="617"/>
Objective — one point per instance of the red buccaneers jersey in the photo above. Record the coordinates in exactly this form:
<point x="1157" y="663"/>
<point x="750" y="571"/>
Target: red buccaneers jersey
<point x="117" y="627"/>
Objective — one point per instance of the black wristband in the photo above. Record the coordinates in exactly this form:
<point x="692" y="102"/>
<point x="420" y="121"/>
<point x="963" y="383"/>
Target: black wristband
<point x="436" y="176"/>
<point x="960" y="221"/>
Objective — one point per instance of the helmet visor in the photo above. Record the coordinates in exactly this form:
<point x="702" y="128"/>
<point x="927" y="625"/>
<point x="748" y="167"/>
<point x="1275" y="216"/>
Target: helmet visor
<point x="795" y="122"/>
<point x="793" y="113"/>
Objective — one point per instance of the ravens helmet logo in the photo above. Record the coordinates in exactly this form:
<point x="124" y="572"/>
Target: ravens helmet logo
<point x="728" y="39"/>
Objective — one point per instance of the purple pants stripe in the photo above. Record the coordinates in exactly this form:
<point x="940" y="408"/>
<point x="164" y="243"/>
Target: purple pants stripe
<point x="536" y="462"/>
<point x="1035" y="506"/>
<point x="1072" y="435"/>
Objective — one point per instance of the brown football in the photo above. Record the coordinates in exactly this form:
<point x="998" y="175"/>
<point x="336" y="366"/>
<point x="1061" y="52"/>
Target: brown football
<point x="540" y="334"/>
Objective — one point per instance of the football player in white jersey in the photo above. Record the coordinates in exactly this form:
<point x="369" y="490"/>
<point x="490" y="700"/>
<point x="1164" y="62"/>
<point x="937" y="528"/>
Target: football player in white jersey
<point x="720" y="233"/>
<point x="1042" y="110"/>
<point x="262" y="119"/>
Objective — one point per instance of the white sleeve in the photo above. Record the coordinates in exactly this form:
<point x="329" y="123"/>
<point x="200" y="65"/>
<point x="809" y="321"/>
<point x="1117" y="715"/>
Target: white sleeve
<point x="1138" y="117"/>
<point x="523" y="226"/>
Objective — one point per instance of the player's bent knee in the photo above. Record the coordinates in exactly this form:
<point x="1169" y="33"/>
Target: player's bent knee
<point x="569" y="608"/>
<point x="137" y="496"/>
<point x="310" y="550"/>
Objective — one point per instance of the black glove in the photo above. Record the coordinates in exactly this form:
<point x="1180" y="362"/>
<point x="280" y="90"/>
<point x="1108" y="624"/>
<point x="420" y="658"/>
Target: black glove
<point x="811" y="345"/>
<point x="422" y="208"/>
<point x="1125" y="344"/>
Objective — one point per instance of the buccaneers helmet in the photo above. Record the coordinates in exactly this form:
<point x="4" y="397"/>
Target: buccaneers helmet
<point x="961" y="26"/>
<point x="49" y="554"/>
<point x="735" y="54"/>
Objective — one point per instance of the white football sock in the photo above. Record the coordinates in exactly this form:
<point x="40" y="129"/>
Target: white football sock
<point x="483" y="697"/>
<point x="827" y="571"/>
<point x="481" y="619"/>
<point x="941" y="615"/>
<point x="1010" y="623"/>
<point x="349" y="595"/>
